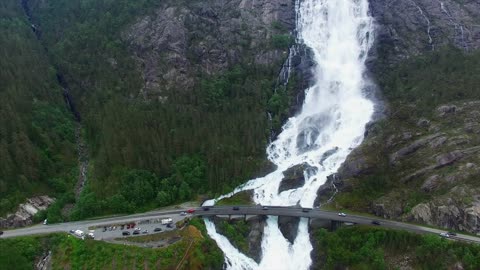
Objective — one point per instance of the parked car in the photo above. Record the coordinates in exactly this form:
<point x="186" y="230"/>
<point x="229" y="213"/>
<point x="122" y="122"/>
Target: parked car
<point x="341" y="214"/>
<point x="125" y="233"/>
<point x="72" y="231"/>
<point x="105" y="228"/>
<point x="375" y="222"/>
<point x="169" y="225"/>
<point x="122" y="227"/>
<point x="145" y="231"/>
<point x="446" y="235"/>
<point x="157" y="230"/>
<point x="136" y="232"/>
<point x="191" y="211"/>
<point x="236" y="208"/>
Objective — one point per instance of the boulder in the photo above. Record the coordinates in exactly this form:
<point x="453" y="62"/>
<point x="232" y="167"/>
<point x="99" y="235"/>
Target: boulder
<point x="431" y="183"/>
<point x="422" y="213"/>
<point x="446" y="110"/>
<point x="448" y="158"/>
<point x="294" y="177"/>
<point x="411" y="148"/>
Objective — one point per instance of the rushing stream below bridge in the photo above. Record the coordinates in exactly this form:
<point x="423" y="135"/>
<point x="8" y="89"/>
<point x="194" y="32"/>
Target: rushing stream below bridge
<point x="329" y="126"/>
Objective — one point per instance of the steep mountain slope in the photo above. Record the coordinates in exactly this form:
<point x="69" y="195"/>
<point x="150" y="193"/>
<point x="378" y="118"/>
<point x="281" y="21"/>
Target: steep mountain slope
<point x="37" y="151"/>
<point x="173" y="95"/>
<point x="420" y="161"/>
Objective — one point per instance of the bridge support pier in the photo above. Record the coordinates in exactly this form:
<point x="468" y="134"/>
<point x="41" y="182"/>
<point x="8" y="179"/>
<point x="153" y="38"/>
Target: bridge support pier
<point x="334" y="225"/>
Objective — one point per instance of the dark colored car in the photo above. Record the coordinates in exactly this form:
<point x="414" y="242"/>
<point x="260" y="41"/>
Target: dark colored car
<point x="206" y="208"/>
<point x="452" y="234"/>
<point x="169" y="225"/>
<point x="265" y="208"/>
<point x="1" y="232"/>
<point x="136" y="232"/>
<point x="125" y="233"/>
<point x="122" y="227"/>
<point x="306" y="210"/>
<point x="157" y="230"/>
<point x="236" y="208"/>
<point x="376" y="222"/>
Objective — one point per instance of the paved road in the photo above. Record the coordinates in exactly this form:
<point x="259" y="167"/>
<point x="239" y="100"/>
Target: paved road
<point x="225" y="210"/>
<point x="100" y="223"/>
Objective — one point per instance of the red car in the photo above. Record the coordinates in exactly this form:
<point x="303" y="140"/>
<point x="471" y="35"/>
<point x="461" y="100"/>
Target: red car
<point x="191" y="211"/>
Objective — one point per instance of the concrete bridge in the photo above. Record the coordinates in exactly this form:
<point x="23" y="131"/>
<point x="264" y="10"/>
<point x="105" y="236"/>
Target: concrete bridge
<point x="312" y="214"/>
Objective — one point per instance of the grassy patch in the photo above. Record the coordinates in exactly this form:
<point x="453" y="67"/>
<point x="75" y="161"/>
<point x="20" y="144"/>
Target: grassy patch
<point x="241" y="198"/>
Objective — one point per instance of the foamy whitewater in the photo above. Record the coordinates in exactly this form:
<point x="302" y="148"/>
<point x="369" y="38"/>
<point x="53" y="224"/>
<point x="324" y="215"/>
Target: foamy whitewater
<point x="331" y="123"/>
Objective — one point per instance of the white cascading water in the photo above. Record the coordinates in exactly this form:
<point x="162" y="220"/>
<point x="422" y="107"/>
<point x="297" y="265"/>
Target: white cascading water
<point x="331" y="123"/>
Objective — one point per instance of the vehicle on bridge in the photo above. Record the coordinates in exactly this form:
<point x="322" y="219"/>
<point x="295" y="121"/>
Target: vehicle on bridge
<point x="341" y="214"/>
<point x="306" y="210"/>
<point x="206" y="208"/>
<point x="236" y="208"/>
<point x="1" y="232"/>
<point x="191" y="211"/>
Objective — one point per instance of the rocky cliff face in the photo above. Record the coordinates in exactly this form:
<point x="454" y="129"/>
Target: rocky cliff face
<point x="419" y="167"/>
<point x="26" y="211"/>
<point x="181" y="40"/>
<point x="412" y="27"/>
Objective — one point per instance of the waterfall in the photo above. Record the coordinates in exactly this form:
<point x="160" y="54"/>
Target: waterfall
<point x="332" y="120"/>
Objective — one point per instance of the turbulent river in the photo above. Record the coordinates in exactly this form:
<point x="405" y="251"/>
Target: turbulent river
<point x="331" y="123"/>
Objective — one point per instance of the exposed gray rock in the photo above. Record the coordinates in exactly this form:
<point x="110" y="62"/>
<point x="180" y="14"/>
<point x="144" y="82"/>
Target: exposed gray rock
<point x="458" y="210"/>
<point x="294" y="177"/>
<point x="180" y="39"/>
<point x="411" y="27"/>
<point x="24" y="215"/>
<point x="438" y="142"/>
<point x="289" y="227"/>
<point x="355" y="165"/>
<point x="448" y="159"/>
<point x="431" y="183"/>
<point x="446" y="110"/>
<point x="411" y="148"/>
<point x="423" y="123"/>
<point x="387" y="211"/>
<point x="257" y="225"/>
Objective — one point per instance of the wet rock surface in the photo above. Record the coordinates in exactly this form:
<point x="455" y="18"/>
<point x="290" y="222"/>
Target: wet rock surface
<point x="294" y="177"/>
<point x="24" y="215"/>
<point x="289" y="227"/>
